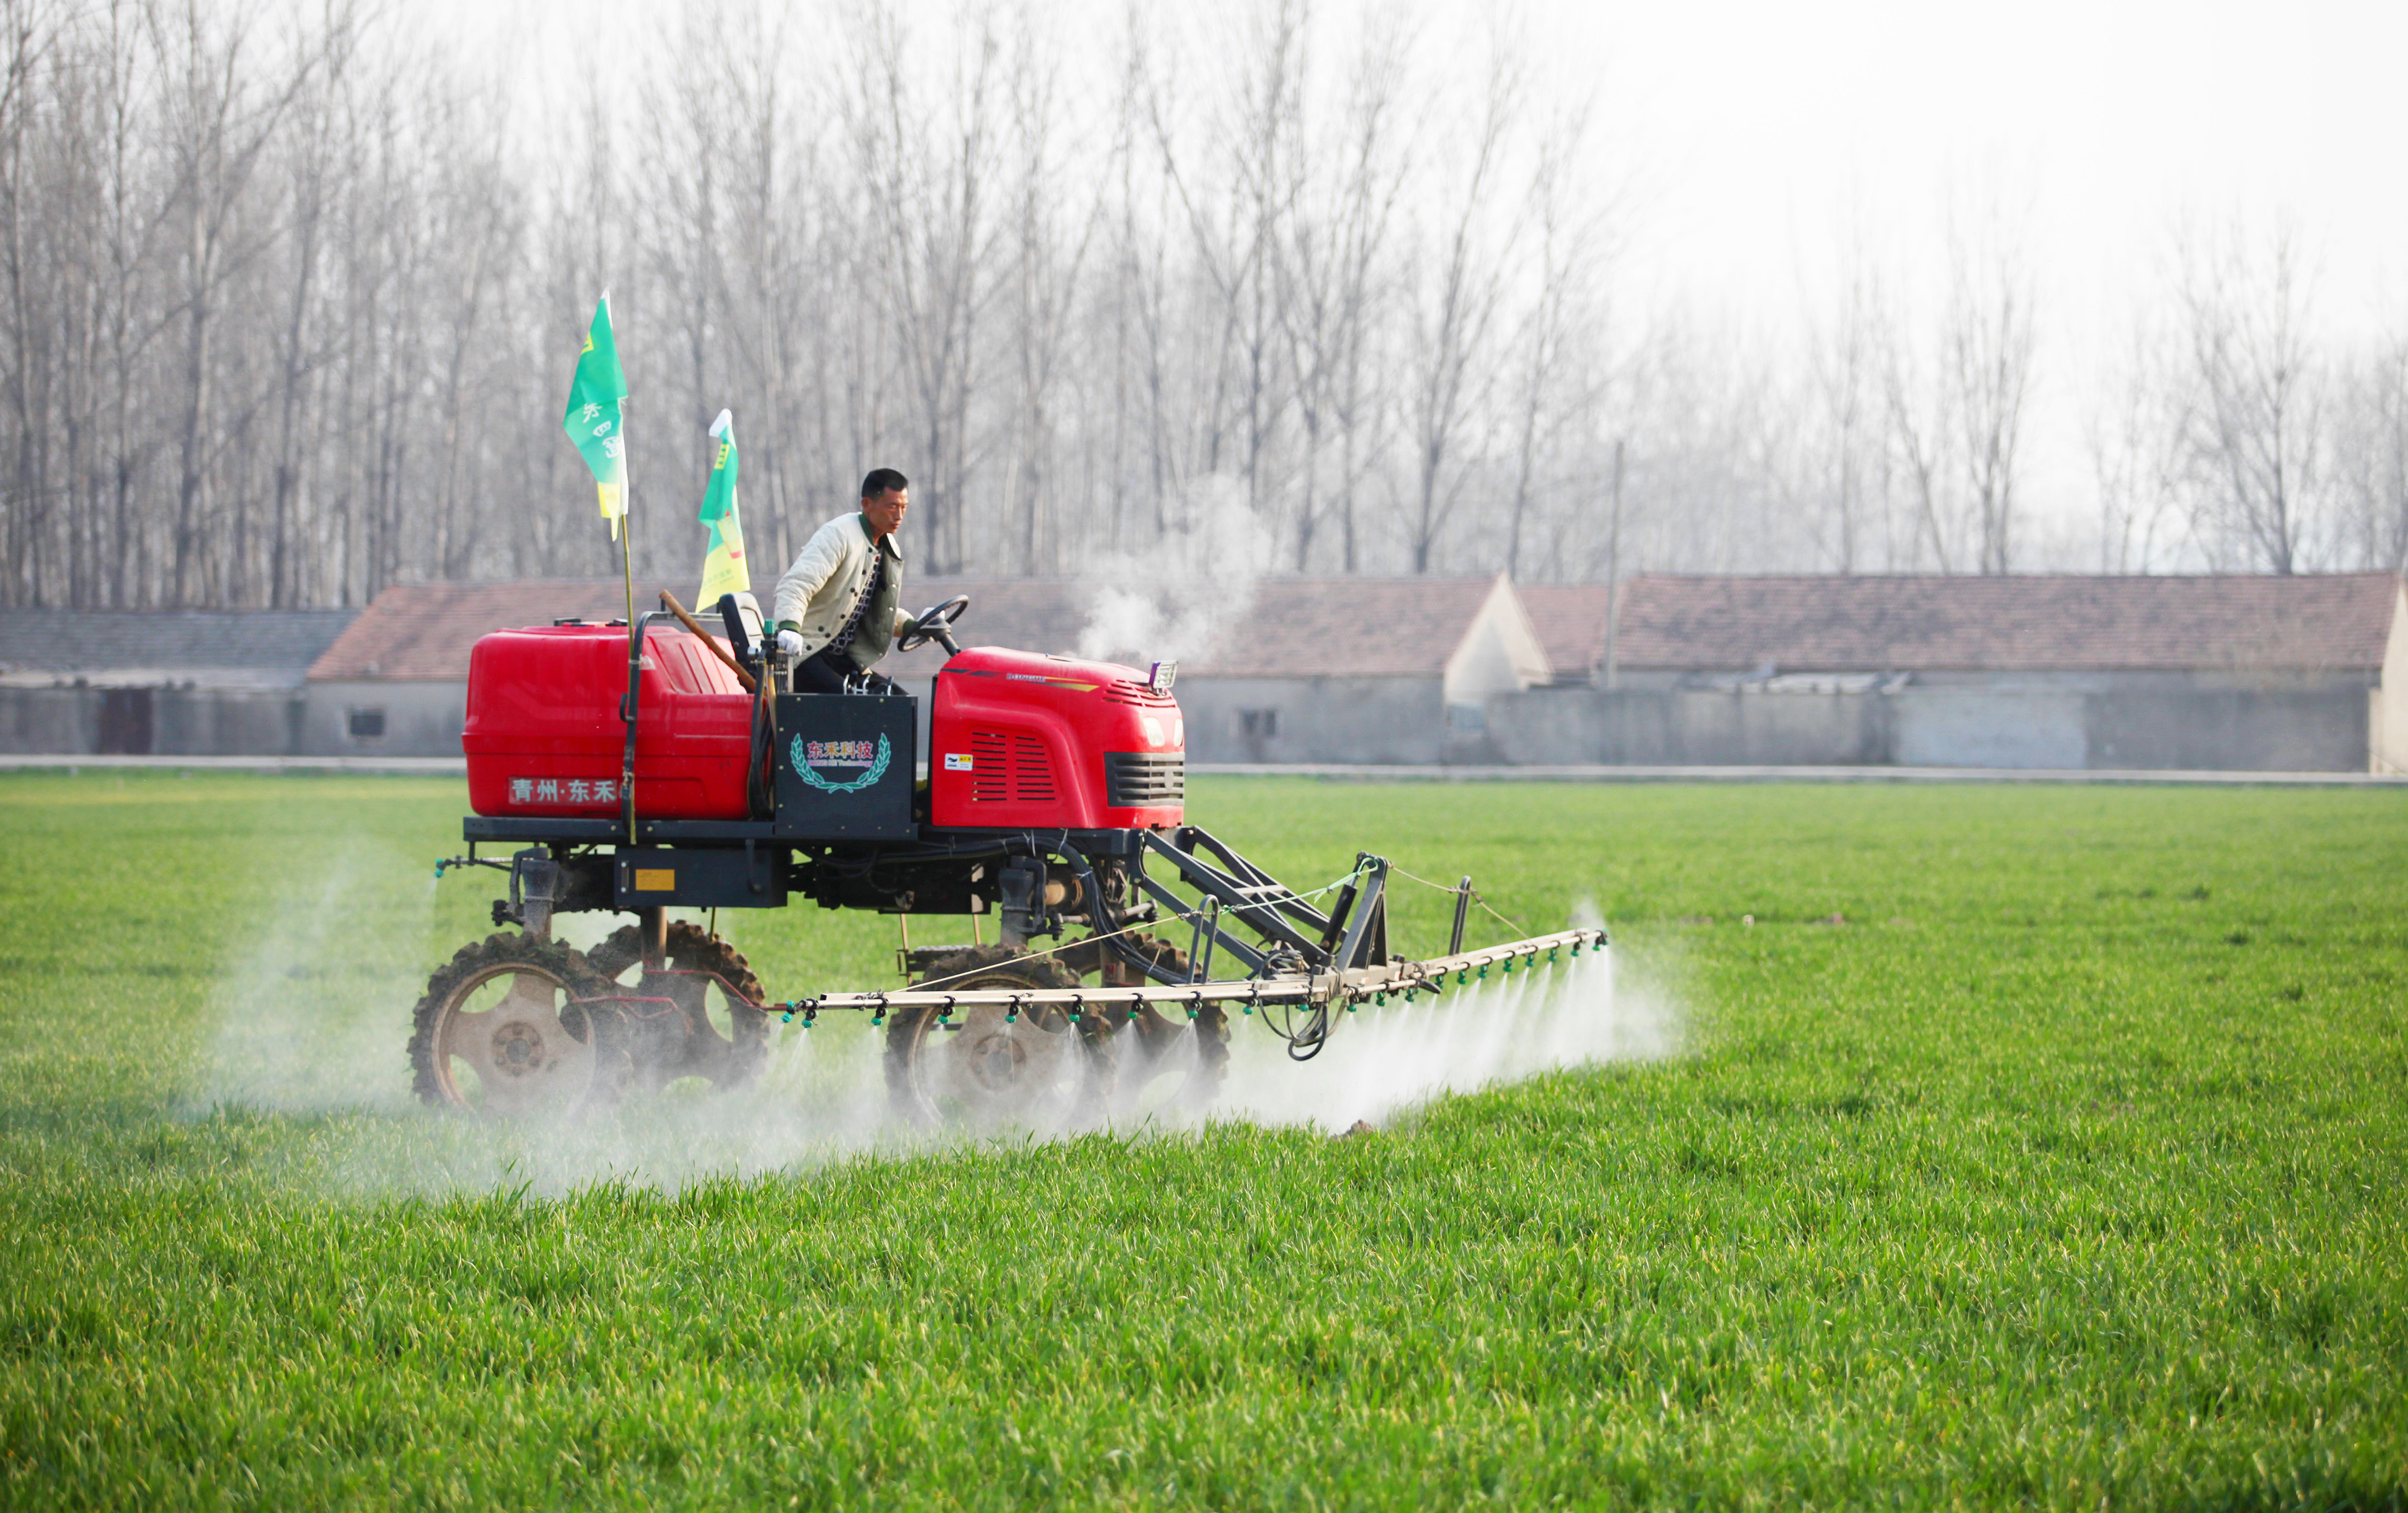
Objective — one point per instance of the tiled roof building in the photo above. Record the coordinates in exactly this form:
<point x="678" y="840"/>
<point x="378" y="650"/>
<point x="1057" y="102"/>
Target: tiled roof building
<point x="1284" y="627"/>
<point x="2042" y="671"/>
<point x="1333" y="670"/>
<point x="2057" y="623"/>
<point x="2046" y="670"/>
<point x="219" y="648"/>
<point x="193" y="683"/>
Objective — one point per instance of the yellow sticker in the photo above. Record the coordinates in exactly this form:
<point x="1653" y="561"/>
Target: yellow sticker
<point x="655" y="880"/>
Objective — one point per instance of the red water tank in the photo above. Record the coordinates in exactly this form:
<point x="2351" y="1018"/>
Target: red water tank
<point x="544" y="738"/>
<point x="1017" y="739"/>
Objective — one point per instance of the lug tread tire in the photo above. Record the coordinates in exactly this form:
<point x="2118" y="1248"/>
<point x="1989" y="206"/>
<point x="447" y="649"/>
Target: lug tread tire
<point x="903" y="1026"/>
<point x="504" y="948"/>
<point x="692" y="948"/>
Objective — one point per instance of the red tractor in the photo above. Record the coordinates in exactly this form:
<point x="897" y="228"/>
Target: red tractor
<point x="655" y="769"/>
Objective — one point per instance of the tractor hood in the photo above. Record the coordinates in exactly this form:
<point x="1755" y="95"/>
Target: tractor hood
<point x="1021" y="737"/>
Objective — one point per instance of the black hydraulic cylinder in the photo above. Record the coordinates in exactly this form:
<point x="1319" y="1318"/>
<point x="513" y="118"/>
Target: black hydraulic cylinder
<point x="1021" y="890"/>
<point x="1462" y="914"/>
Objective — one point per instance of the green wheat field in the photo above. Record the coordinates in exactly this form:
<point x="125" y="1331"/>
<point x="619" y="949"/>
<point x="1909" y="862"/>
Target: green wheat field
<point x="2029" y="1147"/>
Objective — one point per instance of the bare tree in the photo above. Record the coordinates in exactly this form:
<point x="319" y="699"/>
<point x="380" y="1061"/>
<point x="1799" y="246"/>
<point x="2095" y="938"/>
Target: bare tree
<point x="1570" y="246"/>
<point x="2257" y="393"/>
<point x="219" y="120"/>
<point x="29" y="270"/>
<point x="285" y="305"/>
<point x="312" y="158"/>
<point x="2370" y="455"/>
<point x="1842" y="471"/>
<point x="1053" y="228"/>
<point x="1988" y="355"/>
<point x="1338" y="209"/>
<point x="932" y="208"/>
<point x="1455" y="309"/>
<point x="2134" y="437"/>
<point x="1923" y="428"/>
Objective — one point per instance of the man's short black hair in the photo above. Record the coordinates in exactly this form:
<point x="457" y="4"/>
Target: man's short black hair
<point x="882" y="481"/>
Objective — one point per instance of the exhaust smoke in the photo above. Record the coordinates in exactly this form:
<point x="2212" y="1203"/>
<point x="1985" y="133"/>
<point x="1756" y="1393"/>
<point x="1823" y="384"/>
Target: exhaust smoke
<point x="1176" y="600"/>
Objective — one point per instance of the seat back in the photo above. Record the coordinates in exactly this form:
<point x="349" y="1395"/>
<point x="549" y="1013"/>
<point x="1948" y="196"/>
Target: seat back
<point x="741" y="613"/>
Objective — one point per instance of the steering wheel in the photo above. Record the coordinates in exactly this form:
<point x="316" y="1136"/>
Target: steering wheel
<point x="934" y="624"/>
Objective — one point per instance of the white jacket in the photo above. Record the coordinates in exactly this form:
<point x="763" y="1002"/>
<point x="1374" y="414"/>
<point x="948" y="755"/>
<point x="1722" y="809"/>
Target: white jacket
<point x="818" y="592"/>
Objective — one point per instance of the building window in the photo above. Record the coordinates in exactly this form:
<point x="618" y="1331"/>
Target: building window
<point x="1466" y="719"/>
<point x="366" y="723"/>
<point x="1258" y="724"/>
<point x="125" y="721"/>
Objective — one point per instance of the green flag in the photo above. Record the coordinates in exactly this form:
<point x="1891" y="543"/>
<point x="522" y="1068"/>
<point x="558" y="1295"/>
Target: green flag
<point x="723" y="567"/>
<point x="596" y="405"/>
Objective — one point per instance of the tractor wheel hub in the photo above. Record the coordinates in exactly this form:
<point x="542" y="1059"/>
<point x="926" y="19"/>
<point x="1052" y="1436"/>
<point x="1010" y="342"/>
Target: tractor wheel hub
<point x="996" y="1060"/>
<point x="518" y="1049"/>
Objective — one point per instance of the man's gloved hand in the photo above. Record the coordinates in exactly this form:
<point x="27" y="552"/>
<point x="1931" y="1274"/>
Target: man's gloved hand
<point x="791" y="643"/>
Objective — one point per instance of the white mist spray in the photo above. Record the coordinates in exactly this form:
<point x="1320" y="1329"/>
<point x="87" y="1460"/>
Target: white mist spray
<point x="313" y="1018"/>
<point x="306" y="1017"/>
<point x="1504" y="1028"/>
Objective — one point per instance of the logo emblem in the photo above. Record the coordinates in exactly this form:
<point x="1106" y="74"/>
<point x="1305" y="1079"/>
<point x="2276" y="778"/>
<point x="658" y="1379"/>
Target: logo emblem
<point x="809" y="756"/>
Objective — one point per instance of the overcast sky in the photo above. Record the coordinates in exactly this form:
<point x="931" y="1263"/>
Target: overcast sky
<point x="1764" y="120"/>
<point x="1755" y="132"/>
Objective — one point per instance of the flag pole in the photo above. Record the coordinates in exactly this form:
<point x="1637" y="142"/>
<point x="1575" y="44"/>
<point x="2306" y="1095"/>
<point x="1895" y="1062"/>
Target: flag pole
<point x="626" y="523"/>
<point x="598" y="393"/>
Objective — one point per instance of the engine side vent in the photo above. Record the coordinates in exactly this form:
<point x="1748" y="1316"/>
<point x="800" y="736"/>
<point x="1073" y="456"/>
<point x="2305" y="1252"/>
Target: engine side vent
<point x="1144" y="779"/>
<point x="990" y="762"/>
<point x="1032" y="770"/>
<point x="1131" y="691"/>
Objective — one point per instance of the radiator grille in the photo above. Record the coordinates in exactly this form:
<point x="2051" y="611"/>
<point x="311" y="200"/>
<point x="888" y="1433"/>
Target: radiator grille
<point x="1144" y="780"/>
<point x="1010" y="767"/>
<point x="989" y="766"/>
<point x="1032" y="770"/>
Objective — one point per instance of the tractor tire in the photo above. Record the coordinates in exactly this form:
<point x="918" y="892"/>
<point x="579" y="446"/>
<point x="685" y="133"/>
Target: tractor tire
<point x="506" y="1030"/>
<point x="986" y="1068"/>
<point x="665" y="1046"/>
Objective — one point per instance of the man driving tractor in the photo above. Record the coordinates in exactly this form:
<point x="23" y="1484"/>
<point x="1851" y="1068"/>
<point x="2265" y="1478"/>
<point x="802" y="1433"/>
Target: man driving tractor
<point x="836" y="607"/>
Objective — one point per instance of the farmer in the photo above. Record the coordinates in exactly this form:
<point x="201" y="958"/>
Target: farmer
<point x="836" y="606"/>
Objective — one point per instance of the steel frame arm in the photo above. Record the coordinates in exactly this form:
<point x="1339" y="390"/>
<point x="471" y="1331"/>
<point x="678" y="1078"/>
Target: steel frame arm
<point x="1255" y="961"/>
<point x="1241" y="892"/>
<point x="1241" y="895"/>
<point x="1355" y="912"/>
<point x="1183" y="852"/>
